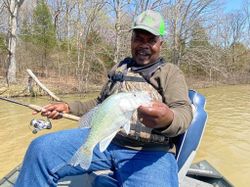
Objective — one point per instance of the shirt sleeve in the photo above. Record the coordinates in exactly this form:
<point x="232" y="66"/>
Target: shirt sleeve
<point x="173" y="87"/>
<point x="80" y="108"/>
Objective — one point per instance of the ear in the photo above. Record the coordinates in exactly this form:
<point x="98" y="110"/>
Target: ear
<point x="161" y="42"/>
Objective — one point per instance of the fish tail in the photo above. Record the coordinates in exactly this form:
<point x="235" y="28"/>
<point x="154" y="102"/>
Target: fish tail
<point x="83" y="156"/>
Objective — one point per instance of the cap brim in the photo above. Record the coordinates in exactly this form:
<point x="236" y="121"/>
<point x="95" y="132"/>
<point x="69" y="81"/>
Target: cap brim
<point x="146" y="29"/>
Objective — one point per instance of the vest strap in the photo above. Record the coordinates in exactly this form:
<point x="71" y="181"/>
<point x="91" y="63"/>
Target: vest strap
<point x="121" y="77"/>
<point x="146" y="137"/>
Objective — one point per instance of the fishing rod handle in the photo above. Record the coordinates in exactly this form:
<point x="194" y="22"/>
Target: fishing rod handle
<point x="70" y="116"/>
<point x="35" y="107"/>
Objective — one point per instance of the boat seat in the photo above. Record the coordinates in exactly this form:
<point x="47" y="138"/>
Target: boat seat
<point x="187" y="143"/>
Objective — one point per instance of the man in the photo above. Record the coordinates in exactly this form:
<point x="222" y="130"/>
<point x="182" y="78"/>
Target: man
<point x="144" y="157"/>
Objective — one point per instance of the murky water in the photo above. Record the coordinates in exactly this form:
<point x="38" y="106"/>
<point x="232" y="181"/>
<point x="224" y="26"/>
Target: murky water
<point x="226" y="142"/>
<point x="15" y="131"/>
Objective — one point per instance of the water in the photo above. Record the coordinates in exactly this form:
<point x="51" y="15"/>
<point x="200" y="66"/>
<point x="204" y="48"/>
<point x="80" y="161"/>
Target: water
<point x="225" y="143"/>
<point x="227" y="137"/>
<point x="16" y="134"/>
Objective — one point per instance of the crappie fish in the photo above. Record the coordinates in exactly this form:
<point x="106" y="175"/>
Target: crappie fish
<point x="108" y="118"/>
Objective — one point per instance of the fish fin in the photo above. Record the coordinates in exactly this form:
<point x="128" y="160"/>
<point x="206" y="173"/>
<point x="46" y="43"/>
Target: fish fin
<point x="83" y="157"/>
<point x="85" y="120"/>
<point x="126" y="127"/>
<point x="103" y="144"/>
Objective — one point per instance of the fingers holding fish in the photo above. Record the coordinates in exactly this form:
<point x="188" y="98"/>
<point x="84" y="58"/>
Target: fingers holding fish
<point x="156" y="115"/>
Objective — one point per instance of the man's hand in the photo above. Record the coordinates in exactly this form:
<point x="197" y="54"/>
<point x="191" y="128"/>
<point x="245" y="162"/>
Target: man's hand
<point x="158" y="115"/>
<point x="53" y="110"/>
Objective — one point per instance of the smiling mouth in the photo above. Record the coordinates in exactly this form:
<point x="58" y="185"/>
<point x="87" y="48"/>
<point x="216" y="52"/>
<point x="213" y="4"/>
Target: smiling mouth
<point x="143" y="54"/>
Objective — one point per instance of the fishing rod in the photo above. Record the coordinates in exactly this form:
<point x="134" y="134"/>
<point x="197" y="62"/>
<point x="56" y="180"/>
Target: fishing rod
<point x="39" y="108"/>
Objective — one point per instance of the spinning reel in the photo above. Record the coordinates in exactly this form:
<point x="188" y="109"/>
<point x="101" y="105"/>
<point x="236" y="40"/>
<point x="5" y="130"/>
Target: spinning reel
<point x="40" y="124"/>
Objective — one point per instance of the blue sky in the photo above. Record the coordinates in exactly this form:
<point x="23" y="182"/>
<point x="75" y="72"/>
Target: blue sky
<point x="233" y="4"/>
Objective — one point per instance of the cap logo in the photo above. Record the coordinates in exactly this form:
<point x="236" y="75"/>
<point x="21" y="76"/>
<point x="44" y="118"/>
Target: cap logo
<point x="149" y="20"/>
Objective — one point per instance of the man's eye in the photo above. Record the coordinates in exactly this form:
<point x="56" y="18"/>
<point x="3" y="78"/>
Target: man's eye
<point x="152" y="41"/>
<point x="137" y="39"/>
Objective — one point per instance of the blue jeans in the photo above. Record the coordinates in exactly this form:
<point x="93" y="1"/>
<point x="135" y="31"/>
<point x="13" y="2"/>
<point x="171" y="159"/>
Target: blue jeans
<point x="46" y="161"/>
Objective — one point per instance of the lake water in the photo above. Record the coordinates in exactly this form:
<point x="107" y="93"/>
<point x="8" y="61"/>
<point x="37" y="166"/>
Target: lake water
<point x="226" y="142"/>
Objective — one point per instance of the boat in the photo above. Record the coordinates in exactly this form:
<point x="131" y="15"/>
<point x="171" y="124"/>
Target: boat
<point x="201" y="174"/>
<point x="204" y="171"/>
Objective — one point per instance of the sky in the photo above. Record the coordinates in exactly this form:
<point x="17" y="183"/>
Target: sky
<point x="233" y="4"/>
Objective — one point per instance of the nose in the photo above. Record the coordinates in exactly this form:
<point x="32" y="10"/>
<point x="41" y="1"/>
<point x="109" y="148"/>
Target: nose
<point x="145" y="46"/>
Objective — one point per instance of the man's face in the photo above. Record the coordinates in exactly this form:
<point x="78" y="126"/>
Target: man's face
<point x="145" y="47"/>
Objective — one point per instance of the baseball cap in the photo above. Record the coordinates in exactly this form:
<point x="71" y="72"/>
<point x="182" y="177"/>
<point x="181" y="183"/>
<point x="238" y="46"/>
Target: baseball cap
<point x="150" y="21"/>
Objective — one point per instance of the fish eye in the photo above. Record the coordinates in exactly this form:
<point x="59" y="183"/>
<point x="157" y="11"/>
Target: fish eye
<point x="136" y="94"/>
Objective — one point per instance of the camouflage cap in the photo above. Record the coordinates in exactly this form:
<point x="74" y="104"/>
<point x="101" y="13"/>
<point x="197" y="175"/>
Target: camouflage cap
<point x="150" y="21"/>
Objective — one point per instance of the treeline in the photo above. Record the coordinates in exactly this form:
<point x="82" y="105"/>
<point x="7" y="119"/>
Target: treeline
<point x="82" y="39"/>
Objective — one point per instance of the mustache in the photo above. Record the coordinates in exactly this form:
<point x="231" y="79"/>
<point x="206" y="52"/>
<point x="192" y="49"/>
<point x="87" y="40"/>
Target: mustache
<point x="144" y="51"/>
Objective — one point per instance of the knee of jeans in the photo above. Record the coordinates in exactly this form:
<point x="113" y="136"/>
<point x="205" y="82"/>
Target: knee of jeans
<point x="39" y="148"/>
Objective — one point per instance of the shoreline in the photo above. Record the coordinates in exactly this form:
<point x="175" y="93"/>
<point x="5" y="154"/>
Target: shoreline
<point x="61" y="88"/>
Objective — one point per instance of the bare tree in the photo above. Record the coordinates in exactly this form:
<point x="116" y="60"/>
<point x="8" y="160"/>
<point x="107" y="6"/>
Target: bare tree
<point x="182" y="15"/>
<point x="2" y="16"/>
<point x="85" y="23"/>
<point x="118" y="7"/>
<point x="63" y="11"/>
<point x="246" y="10"/>
<point x="237" y="24"/>
<point x="13" y="8"/>
<point x="139" y="6"/>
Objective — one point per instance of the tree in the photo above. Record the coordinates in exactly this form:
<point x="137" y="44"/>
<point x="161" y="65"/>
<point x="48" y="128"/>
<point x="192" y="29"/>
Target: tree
<point x="13" y="7"/>
<point x="182" y="16"/>
<point x="2" y="42"/>
<point x="117" y="7"/>
<point x="237" y="25"/>
<point x="231" y="38"/>
<point x="43" y="34"/>
<point x="198" y="51"/>
<point x="199" y="37"/>
<point x="25" y="31"/>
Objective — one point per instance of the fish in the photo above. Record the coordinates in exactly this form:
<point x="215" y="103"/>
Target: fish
<point x="106" y="120"/>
